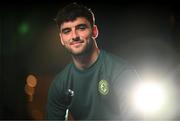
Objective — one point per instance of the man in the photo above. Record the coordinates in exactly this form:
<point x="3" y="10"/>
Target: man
<point x="97" y="84"/>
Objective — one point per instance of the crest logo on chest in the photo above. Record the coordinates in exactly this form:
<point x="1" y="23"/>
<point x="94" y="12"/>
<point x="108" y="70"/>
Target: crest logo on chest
<point x="103" y="87"/>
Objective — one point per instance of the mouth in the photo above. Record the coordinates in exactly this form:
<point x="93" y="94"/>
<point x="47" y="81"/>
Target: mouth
<point x="76" y="42"/>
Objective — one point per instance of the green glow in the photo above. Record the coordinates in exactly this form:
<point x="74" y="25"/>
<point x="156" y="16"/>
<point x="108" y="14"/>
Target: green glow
<point x="23" y="28"/>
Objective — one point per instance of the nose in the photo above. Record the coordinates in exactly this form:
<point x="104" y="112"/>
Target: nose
<point x="74" y="34"/>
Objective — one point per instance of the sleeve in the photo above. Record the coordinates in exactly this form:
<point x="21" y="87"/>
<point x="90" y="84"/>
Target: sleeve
<point x="123" y="85"/>
<point x="56" y="103"/>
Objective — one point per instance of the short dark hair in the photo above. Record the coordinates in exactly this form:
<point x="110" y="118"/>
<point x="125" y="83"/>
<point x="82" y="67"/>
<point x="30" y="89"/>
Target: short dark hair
<point x="72" y="11"/>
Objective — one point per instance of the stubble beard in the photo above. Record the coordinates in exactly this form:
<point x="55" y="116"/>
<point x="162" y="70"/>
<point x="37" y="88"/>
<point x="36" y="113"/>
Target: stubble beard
<point x="85" y="51"/>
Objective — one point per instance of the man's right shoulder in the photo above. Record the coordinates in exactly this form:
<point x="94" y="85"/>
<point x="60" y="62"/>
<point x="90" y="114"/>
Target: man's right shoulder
<point x="63" y="74"/>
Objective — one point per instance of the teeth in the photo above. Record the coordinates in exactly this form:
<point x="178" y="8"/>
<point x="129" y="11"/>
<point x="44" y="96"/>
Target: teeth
<point x="71" y="40"/>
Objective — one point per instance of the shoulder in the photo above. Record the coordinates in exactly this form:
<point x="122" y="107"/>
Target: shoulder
<point x="59" y="80"/>
<point x="115" y="61"/>
<point x="118" y="68"/>
<point x="64" y="73"/>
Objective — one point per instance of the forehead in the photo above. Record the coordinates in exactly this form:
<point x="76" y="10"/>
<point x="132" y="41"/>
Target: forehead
<point x="77" y="21"/>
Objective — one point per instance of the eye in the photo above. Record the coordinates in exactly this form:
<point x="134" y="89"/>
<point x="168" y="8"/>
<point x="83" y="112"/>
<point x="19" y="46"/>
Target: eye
<point x="66" y="30"/>
<point x="81" y="27"/>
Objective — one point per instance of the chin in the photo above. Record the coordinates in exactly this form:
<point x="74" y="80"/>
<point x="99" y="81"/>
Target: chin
<point x="77" y="53"/>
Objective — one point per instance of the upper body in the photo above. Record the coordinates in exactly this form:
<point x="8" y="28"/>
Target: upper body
<point x="100" y="92"/>
<point x="97" y="84"/>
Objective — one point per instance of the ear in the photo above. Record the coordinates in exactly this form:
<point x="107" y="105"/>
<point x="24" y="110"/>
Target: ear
<point x="61" y="39"/>
<point x="95" y="31"/>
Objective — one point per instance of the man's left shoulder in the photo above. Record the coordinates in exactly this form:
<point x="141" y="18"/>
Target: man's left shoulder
<point x="116" y="60"/>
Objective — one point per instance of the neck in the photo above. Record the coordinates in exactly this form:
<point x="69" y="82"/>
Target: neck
<point x="84" y="61"/>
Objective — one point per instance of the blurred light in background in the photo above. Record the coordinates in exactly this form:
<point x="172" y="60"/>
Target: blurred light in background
<point x="23" y="28"/>
<point x="154" y="98"/>
<point x="31" y="82"/>
<point x="149" y="97"/>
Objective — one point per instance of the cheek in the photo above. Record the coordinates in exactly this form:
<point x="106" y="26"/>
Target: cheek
<point x="86" y="35"/>
<point x="65" y="39"/>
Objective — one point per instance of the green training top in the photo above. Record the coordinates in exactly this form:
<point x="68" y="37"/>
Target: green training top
<point x="100" y="92"/>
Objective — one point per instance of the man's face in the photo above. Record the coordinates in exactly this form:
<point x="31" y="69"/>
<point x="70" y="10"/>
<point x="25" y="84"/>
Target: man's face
<point x="77" y="35"/>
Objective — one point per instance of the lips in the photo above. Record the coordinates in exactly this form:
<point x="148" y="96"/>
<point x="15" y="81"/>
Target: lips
<point x="76" y="42"/>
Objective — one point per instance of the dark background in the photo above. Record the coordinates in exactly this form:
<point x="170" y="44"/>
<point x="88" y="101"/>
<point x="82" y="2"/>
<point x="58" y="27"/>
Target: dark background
<point x="147" y="34"/>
